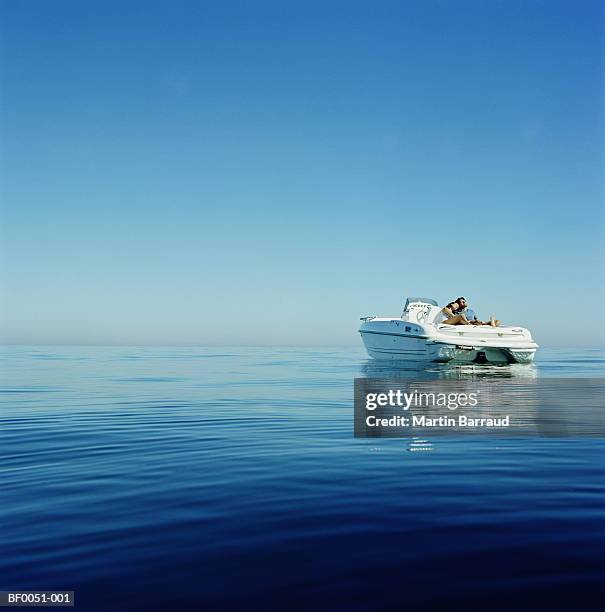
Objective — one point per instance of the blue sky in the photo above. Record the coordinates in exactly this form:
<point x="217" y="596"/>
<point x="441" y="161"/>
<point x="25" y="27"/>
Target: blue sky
<point x="267" y="172"/>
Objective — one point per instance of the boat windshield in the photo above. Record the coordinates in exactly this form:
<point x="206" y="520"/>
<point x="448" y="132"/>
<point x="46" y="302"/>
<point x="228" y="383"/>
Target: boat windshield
<point x="410" y="300"/>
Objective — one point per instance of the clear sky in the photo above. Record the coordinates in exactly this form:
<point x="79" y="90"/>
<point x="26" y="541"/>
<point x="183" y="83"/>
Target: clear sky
<point x="267" y="172"/>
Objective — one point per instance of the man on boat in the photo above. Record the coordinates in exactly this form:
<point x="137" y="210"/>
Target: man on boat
<point x="466" y="311"/>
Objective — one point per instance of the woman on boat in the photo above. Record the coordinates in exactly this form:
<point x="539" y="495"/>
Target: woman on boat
<point x="451" y="316"/>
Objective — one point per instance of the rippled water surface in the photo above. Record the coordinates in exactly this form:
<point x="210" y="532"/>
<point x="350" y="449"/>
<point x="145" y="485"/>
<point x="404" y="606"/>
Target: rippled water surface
<point x="147" y="478"/>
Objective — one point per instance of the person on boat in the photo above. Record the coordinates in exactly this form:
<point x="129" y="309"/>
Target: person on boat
<point x="470" y="315"/>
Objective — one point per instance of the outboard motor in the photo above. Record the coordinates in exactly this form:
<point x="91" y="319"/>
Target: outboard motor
<point x="480" y="358"/>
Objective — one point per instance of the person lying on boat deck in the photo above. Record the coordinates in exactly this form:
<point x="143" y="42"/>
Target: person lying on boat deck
<point x="456" y="313"/>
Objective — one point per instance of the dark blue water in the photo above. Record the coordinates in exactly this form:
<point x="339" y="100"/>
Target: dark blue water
<point x="151" y="478"/>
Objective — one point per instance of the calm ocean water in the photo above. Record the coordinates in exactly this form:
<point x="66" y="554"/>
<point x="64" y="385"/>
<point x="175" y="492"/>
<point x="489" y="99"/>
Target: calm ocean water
<point x="148" y="478"/>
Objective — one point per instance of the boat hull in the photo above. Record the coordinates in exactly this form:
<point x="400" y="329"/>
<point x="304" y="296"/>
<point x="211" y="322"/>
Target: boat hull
<point x="418" y="350"/>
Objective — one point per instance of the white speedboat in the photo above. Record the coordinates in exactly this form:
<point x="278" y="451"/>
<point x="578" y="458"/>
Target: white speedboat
<point x="419" y="335"/>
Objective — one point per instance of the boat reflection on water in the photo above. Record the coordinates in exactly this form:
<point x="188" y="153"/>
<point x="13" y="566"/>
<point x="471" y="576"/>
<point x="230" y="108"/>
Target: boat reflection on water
<point x="537" y="406"/>
<point x="373" y="368"/>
